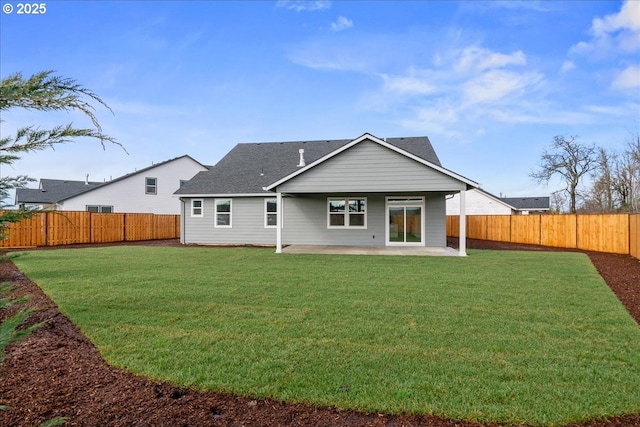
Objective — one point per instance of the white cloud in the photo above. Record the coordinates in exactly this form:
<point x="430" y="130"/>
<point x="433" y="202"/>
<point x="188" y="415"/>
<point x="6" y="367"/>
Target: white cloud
<point x="621" y="110"/>
<point x="496" y="85"/>
<point x="337" y="61"/>
<point x="629" y="78"/>
<point x="304" y="5"/>
<point x="478" y="59"/>
<point x="414" y="83"/>
<point x="567" y="66"/>
<point x="537" y="6"/>
<point x="627" y="19"/>
<point x="462" y="91"/>
<point x="619" y="32"/>
<point x="341" y="24"/>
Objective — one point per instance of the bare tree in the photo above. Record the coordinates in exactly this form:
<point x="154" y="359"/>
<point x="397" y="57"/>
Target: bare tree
<point x="570" y="160"/>
<point x="557" y="202"/>
<point x="602" y="197"/>
<point x="629" y="174"/>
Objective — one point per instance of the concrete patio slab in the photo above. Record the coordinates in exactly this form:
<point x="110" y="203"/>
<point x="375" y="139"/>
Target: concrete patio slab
<point x="370" y="250"/>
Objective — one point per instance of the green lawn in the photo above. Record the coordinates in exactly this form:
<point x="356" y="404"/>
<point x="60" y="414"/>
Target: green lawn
<point x="510" y="337"/>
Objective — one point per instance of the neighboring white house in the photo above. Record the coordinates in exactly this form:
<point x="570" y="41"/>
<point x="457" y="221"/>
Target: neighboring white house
<point x="148" y="190"/>
<point x="480" y="202"/>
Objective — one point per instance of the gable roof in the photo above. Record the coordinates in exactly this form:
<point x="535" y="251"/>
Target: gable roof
<point x="394" y="144"/>
<point x="255" y="168"/>
<point x="54" y="190"/>
<point x="143" y="170"/>
<point x="58" y="190"/>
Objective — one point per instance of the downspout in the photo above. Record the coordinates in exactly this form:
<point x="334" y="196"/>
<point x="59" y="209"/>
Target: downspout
<point x="182" y="220"/>
<point x="462" y="251"/>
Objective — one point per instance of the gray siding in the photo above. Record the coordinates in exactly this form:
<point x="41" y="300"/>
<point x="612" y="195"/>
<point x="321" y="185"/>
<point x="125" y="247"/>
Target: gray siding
<point x="435" y="232"/>
<point x="247" y="224"/>
<point x="305" y="222"/>
<point x="370" y="167"/>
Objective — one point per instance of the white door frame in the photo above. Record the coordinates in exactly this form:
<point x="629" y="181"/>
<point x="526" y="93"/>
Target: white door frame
<point x="411" y="201"/>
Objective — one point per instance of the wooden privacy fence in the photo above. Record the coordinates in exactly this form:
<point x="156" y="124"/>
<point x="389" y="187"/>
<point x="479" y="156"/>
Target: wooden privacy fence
<point x="70" y="227"/>
<point x="616" y="233"/>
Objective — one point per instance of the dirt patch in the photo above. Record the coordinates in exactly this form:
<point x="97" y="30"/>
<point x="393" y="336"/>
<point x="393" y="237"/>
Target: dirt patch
<point x="58" y="372"/>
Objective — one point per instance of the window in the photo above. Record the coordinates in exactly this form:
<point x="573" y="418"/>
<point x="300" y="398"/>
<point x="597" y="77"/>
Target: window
<point x="223" y="213"/>
<point x="196" y="207"/>
<point x="270" y="213"/>
<point x="347" y="213"/>
<point x="151" y="186"/>
<point x="100" y="209"/>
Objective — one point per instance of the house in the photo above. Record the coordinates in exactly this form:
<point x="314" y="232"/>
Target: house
<point x="50" y="191"/>
<point x="481" y="202"/>
<point x="528" y="205"/>
<point x="148" y="190"/>
<point x="364" y="192"/>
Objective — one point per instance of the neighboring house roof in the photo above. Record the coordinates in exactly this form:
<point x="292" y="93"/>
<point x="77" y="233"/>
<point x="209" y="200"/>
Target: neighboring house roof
<point x="57" y="190"/>
<point x="252" y="168"/>
<point x="527" y="203"/>
<point x="520" y="203"/>
<point x="54" y="190"/>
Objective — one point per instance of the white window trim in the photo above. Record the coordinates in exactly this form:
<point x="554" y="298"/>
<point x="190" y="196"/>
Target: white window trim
<point x="266" y="214"/>
<point x="193" y="208"/>
<point x="100" y="208"/>
<point x="230" y="213"/>
<point x="155" y="186"/>
<point x="346" y="219"/>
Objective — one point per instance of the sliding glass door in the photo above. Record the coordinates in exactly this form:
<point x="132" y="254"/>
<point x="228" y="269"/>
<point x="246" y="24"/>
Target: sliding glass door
<point x="404" y="219"/>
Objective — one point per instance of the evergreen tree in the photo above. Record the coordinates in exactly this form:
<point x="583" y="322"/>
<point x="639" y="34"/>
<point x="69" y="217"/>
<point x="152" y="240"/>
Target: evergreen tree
<point x="43" y="91"/>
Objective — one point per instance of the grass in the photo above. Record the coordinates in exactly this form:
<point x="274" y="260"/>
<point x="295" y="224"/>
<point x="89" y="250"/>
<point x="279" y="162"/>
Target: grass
<point x="509" y="337"/>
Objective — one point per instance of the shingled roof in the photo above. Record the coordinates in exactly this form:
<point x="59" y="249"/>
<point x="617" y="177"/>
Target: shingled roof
<point x="53" y="191"/>
<point x="527" y="203"/>
<point x="249" y="167"/>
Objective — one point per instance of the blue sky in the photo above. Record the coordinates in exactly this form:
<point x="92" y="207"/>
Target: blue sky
<point x="490" y="83"/>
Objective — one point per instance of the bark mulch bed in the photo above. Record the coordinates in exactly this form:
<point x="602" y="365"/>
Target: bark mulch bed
<point x="58" y="372"/>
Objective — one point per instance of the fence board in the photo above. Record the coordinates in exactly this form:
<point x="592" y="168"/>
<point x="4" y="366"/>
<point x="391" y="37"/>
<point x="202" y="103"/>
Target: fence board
<point x="603" y="233"/>
<point x="54" y="228"/>
<point x="499" y="228"/>
<point x="28" y="232"/>
<point x="558" y="231"/>
<point x="165" y="227"/>
<point x="66" y="228"/>
<point x="107" y="227"/>
<point x="139" y="227"/>
<point x="453" y="226"/>
<point x="614" y="233"/>
<point x="525" y="229"/>
<point x="476" y="227"/>
<point x="634" y="235"/>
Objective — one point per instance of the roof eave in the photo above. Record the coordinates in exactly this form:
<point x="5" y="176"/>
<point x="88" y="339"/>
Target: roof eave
<point x="210" y="195"/>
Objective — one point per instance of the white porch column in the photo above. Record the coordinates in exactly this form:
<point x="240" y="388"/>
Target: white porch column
<point x="279" y="223"/>
<point x="463" y="224"/>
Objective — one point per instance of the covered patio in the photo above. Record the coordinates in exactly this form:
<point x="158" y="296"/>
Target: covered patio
<point x="371" y="250"/>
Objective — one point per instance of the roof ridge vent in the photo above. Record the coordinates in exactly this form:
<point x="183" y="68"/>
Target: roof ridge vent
<point x="301" y="163"/>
